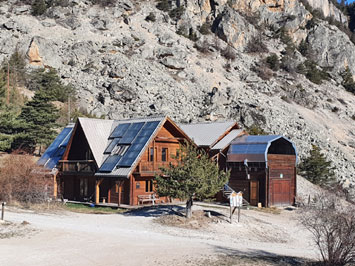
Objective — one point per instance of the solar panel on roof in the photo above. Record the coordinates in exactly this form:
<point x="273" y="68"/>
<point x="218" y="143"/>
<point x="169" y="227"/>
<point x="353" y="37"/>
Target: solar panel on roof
<point x="119" y="131"/>
<point x="248" y="148"/>
<point x="131" y="133"/>
<point x="110" y="163"/>
<point x="131" y="154"/>
<point x="54" y="149"/>
<point x="112" y="144"/>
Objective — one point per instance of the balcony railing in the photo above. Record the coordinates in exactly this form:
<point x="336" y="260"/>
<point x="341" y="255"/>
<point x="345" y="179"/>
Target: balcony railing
<point x="151" y="168"/>
<point x="78" y="166"/>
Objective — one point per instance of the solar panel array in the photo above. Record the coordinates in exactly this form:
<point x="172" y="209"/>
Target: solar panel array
<point x="55" y="151"/>
<point x="136" y="135"/>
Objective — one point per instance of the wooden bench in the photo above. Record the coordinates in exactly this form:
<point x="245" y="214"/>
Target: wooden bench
<point x="147" y="198"/>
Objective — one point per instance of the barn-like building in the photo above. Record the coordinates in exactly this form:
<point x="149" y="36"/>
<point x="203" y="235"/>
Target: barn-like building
<point x="264" y="169"/>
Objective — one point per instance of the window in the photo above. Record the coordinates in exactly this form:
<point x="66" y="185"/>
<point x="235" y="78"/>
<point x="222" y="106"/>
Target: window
<point x="164" y="154"/>
<point x="120" y="149"/>
<point x="148" y="185"/>
<point x="151" y="155"/>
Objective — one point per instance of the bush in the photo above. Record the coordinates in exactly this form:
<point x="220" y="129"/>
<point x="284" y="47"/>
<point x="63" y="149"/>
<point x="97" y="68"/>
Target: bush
<point x="151" y="17"/>
<point x="177" y="13"/>
<point x="312" y="72"/>
<point x="256" y="130"/>
<point x="273" y="62"/>
<point x="104" y="3"/>
<point x="205" y="29"/>
<point x="348" y="81"/>
<point x="317" y="169"/>
<point x="256" y="45"/>
<point x="164" y="5"/>
<point x="39" y="7"/>
<point x="22" y="180"/>
<point x="228" y="53"/>
<point x="203" y="47"/>
<point x="332" y="226"/>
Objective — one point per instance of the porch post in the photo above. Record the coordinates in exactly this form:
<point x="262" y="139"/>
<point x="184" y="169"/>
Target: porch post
<point x="97" y="190"/>
<point x="55" y="186"/>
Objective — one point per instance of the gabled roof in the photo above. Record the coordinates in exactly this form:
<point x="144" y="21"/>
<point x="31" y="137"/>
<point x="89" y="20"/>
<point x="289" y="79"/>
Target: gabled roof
<point x="254" y="148"/>
<point x="226" y="140"/>
<point x="207" y="134"/>
<point x="55" y="151"/>
<point x="132" y="136"/>
<point x="96" y="132"/>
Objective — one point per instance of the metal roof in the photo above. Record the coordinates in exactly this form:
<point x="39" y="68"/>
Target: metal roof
<point x="55" y="151"/>
<point x="226" y="140"/>
<point x="206" y="134"/>
<point x="96" y="132"/>
<point x="139" y="142"/>
<point x="253" y="148"/>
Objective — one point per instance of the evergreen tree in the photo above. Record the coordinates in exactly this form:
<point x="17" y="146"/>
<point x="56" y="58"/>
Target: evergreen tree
<point x="195" y="176"/>
<point x="39" y="7"/>
<point x="37" y="119"/>
<point x="9" y="127"/>
<point x="50" y="82"/>
<point x="317" y="169"/>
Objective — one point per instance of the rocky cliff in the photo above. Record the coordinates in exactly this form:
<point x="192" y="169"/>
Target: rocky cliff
<point x="194" y="62"/>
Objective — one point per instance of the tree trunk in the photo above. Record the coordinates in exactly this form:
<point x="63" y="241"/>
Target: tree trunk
<point x="189" y="208"/>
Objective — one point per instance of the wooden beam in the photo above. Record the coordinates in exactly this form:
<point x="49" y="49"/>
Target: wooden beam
<point x="55" y="186"/>
<point x="97" y="190"/>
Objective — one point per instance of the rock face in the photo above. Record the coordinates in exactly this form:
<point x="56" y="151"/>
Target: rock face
<point x="328" y="9"/>
<point x="125" y="66"/>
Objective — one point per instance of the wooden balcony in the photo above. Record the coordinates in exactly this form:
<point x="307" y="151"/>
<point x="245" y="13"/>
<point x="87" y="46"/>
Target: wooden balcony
<point x="151" y="168"/>
<point x="77" y="166"/>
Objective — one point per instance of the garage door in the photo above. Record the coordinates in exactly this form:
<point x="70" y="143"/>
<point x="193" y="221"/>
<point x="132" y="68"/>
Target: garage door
<point x="281" y="192"/>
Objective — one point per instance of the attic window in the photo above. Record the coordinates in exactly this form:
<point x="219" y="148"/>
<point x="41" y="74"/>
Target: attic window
<point x="120" y="149"/>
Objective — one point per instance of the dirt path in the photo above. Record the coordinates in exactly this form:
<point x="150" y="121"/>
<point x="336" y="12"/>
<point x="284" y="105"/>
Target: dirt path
<point x="115" y="239"/>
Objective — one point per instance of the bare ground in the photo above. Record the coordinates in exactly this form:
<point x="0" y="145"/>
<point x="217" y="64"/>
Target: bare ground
<point x="147" y="237"/>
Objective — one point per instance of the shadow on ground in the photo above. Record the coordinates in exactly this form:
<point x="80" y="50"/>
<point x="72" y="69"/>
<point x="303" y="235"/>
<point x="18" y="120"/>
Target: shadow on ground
<point x="229" y="257"/>
<point x="156" y="211"/>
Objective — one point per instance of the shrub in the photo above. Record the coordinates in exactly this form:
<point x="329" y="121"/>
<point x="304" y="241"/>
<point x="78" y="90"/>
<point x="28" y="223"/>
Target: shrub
<point x="312" y="72"/>
<point x="256" y="45"/>
<point x="203" y="47"/>
<point x="317" y="169"/>
<point x="164" y="5"/>
<point x="39" y="7"/>
<point x="205" y="29"/>
<point x="151" y="17"/>
<point x="26" y="184"/>
<point x="263" y="71"/>
<point x="348" y="81"/>
<point x="332" y="226"/>
<point x="104" y="3"/>
<point x="256" y="130"/>
<point x="177" y="13"/>
<point x="228" y="53"/>
<point x="273" y="62"/>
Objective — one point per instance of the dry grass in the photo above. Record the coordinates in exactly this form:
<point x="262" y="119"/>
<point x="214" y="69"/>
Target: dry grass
<point x="10" y="230"/>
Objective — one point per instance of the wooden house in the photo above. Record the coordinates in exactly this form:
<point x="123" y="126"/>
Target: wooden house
<point x="115" y="161"/>
<point x="264" y="169"/>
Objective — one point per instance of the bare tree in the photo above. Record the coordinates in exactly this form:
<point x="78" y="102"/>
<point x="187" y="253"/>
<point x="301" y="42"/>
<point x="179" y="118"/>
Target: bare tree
<point x="332" y="224"/>
<point x="22" y="180"/>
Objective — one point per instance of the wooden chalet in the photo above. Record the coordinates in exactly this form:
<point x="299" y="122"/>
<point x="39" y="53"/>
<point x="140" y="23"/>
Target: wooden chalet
<point x="264" y="169"/>
<point x="110" y="161"/>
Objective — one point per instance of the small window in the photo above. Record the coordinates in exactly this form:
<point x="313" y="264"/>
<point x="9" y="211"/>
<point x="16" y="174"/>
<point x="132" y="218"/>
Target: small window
<point x="151" y="154"/>
<point x="164" y="154"/>
<point x="148" y="186"/>
<point x="120" y="149"/>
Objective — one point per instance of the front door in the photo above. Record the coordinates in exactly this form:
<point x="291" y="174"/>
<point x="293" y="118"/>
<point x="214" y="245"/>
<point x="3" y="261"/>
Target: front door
<point x="254" y="193"/>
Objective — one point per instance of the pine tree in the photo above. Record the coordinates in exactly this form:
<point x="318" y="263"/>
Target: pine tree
<point x="317" y="169"/>
<point x="38" y="119"/>
<point x="195" y="177"/>
<point x="50" y="82"/>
